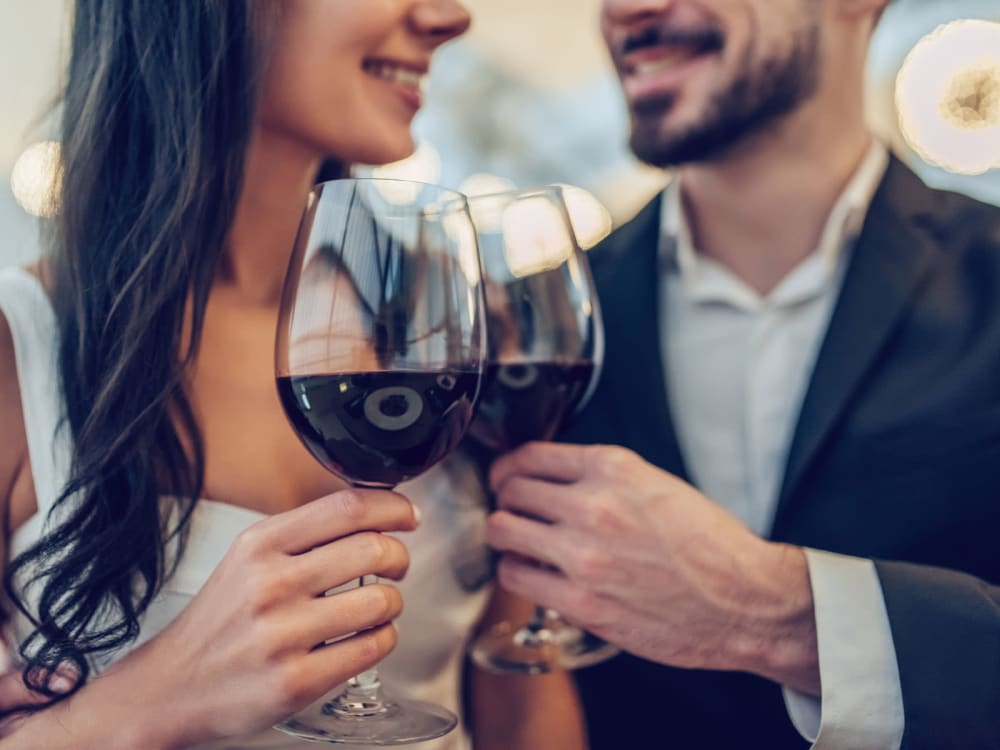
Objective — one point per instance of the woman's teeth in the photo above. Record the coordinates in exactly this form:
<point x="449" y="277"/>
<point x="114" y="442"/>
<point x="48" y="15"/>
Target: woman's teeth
<point x="396" y="74"/>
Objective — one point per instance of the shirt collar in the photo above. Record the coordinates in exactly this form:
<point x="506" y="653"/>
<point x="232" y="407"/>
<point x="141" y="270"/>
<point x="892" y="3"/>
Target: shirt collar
<point x="707" y="280"/>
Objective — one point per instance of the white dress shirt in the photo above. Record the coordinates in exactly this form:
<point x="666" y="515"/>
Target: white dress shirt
<point x="737" y="367"/>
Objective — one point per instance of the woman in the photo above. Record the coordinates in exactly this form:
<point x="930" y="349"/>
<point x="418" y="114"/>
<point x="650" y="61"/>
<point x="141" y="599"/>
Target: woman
<point x="136" y="385"/>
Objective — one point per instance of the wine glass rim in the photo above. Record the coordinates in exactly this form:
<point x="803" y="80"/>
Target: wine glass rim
<point x="518" y="193"/>
<point x="448" y="194"/>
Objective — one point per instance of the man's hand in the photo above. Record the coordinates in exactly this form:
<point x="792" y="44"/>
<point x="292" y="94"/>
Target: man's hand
<point x="646" y="562"/>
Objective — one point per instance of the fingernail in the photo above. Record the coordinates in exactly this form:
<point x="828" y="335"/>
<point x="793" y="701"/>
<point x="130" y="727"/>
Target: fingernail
<point x="60" y="684"/>
<point x="418" y="514"/>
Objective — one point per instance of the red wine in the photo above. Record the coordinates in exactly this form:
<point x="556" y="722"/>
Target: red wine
<point x="527" y="401"/>
<point x="380" y="428"/>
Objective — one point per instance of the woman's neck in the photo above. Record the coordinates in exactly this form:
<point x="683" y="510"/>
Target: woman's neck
<point x="279" y="174"/>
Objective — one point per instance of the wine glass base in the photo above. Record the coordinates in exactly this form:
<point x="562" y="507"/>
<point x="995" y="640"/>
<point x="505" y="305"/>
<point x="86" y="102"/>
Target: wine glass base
<point x="586" y="650"/>
<point x="398" y="722"/>
<point x="532" y="651"/>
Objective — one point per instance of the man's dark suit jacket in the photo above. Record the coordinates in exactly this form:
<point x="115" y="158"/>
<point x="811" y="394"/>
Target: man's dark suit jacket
<point x="896" y="456"/>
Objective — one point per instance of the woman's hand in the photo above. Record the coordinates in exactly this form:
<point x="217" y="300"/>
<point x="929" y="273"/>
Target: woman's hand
<point x="14" y="693"/>
<point x="247" y="651"/>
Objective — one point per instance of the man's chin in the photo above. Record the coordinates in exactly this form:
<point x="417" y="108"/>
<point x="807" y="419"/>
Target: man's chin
<point x="657" y="139"/>
<point x="659" y="145"/>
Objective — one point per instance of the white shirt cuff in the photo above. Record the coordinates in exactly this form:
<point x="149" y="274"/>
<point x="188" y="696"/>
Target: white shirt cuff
<point x="861" y="707"/>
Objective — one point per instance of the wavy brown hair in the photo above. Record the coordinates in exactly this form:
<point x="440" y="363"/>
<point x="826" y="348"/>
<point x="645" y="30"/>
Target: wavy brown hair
<point x="158" y="110"/>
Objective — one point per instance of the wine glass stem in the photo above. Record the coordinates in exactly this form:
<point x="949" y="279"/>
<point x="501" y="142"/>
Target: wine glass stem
<point x="362" y="696"/>
<point x="539" y="619"/>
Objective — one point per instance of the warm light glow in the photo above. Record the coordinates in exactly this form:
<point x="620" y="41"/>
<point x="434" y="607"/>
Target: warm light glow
<point x="462" y="234"/>
<point x="34" y="179"/>
<point x="535" y="236"/>
<point x="485" y="184"/>
<point x="591" y="219"/>
<point x="948" y="97"/>
<point x="424" y="165"/>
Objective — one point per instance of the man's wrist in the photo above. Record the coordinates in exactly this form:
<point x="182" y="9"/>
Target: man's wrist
<point x="776" y="636"/>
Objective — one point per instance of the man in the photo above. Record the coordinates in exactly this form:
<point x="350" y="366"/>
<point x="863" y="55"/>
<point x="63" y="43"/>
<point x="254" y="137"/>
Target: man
<point x="811" y="336"/>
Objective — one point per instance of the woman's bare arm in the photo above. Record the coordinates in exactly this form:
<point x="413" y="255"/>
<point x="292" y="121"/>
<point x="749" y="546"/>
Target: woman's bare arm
<point x="514" y="712"/>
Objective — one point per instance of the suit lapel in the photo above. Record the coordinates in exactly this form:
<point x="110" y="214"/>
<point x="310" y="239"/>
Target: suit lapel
<point x="628" y="278"/>
<point x="890" y="259"/>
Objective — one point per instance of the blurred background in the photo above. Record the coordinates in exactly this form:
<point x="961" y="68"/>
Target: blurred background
<point x="528" y="98"/>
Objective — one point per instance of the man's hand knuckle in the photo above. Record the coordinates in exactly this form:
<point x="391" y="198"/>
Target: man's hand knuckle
<point x="600" y="512"/>
<point x="616" y="462"/>
<point x="592" y="563"/>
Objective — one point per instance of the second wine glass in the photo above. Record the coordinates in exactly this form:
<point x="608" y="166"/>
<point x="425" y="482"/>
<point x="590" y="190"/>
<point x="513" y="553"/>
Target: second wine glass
<point x="545" y="351"/>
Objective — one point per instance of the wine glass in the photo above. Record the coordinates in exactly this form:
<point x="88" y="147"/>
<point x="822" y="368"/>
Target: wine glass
<point x="545" y="350"/>
<point x="379" y="356"/>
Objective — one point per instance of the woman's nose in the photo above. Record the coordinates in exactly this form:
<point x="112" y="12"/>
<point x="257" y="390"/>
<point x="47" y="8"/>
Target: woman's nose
<point x="440" y="20"/>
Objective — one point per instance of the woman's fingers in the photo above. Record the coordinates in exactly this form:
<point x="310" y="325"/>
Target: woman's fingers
<point x="332" y="617"/>
<point x="322" y="669"/>
<point x="14" y="693"/>
<point x="332" y="565"/>
<point x="332" y="517"/>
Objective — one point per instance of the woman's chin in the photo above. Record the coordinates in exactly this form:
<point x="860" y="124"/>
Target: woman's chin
<point x="391" y="153"/>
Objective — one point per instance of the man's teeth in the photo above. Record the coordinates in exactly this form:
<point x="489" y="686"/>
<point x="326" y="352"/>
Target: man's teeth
<point x="396" y="74"/>
<point x="667" y="62"/>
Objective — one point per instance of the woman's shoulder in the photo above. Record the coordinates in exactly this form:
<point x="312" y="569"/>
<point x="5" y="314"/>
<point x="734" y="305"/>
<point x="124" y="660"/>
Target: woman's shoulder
<point x="14" y="448"/>
<point x="41" y="272"/>
<point x="16" y="487"/>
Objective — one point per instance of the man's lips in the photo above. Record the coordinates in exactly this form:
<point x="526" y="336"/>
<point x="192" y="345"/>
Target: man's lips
<point x="655" y="61"/>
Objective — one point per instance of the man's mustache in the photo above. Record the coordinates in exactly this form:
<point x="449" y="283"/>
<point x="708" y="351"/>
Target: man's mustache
<point x="702" y="40"/>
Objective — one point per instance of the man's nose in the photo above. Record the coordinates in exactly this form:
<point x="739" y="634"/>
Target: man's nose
<point x="630" y="12"/>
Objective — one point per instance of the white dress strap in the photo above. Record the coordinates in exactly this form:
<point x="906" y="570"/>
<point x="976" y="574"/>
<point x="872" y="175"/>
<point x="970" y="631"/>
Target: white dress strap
<point x="35" y="331"/>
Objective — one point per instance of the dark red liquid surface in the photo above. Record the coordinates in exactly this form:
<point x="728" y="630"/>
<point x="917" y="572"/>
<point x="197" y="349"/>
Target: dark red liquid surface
<point x="380" y="428"/>
<point x="528" y="401"/>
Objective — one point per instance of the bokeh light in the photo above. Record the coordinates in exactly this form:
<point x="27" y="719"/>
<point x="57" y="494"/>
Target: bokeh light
<point x="34" y="179"/>
<point x="948" y="97"/>
<point x="424" y="165"/>
<point x="591" y="219"/>
<point x="484" y="183"/>
<point x="536" y="236"/>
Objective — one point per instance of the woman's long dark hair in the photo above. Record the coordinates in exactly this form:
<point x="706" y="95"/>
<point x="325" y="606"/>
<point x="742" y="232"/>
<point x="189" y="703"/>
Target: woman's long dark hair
<point x="158" y="112"/>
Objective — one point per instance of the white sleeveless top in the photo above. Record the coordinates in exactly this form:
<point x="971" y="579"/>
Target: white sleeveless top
<point x="445" y="590"/>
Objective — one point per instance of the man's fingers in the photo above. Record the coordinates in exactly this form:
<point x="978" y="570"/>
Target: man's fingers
<point x="332" y="517"/>
<point x="549" y="588"/>
<point x="552" y="461"/>
<point x="541" y="499"/>
<point x="538" y="541"/>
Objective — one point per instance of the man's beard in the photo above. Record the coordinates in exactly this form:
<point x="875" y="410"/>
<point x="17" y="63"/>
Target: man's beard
<point x="754" y="101"/>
